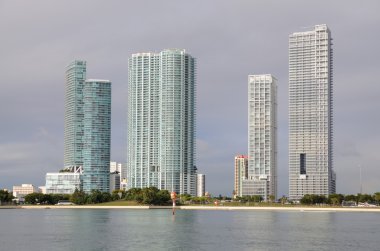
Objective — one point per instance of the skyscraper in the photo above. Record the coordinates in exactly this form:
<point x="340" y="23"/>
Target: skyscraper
<point x="241" y="173"/>
<point x="87" y="126"/>
<point x="161" y="121"/>
<point x="310" y="113"/>
<point x="97" y="134"/>
<point x="73" y="135"/>
<point x="262" y="133"/>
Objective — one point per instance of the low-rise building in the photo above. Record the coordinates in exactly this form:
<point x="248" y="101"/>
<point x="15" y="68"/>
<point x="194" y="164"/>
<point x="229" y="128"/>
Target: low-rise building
<point x="24" y="189"/>
<point x="255" y="187"/>
<point x="64" y="182"/>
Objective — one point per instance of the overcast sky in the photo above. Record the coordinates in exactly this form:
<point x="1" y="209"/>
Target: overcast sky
<point x="229" y="39"/>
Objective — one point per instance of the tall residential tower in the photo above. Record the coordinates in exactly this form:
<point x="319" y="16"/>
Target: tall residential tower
<point x="262" y="133"/>
<point x="97" y="135"/>
<point x="87" y="127"/>
<point x="161" y="121"/>
<point x="310" y="113"/>
<point x="73" y="135"/>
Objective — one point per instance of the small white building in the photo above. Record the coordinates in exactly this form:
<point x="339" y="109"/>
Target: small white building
<point x="24" y="189"/>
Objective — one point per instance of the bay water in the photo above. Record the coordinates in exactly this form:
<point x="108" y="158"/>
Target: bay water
<point x="129" y="229"/>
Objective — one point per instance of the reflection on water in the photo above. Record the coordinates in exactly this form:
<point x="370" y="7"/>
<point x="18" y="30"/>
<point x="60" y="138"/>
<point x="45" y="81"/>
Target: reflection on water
<point x="83" y="229"/>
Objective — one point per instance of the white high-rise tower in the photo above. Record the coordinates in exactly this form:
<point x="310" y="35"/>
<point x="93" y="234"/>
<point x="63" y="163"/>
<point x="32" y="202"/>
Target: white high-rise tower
<point x="161" y="121"/>
<point x="310" y="113"/>
<point x="262" y="132"/>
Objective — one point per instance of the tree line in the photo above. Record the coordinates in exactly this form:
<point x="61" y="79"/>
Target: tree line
<point x="148" y="196"/>
<point x="154" y="196"/>
<point x="337" y="199"/>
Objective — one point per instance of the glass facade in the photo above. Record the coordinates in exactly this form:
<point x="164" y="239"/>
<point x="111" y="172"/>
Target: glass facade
<point x="310" y="113"/>
<point x="161" y="121"/>
<point x="97" y="135"/>
<point x="262" y="132"/>
<point x="63" y="183"/>
<point x="73" y="135"/>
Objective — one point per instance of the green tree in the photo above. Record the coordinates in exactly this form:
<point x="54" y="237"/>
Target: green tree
<point x="149" y="195"/>
<point x="185" y="197"/>
<point x="163" y="197"/>
<point x="245" y="198"/>
<point x="312" y="199"/>
<point x="5" y="196"/>
<point x="118" y="194"/>
<point x="34" y="198"/>
<point x="96" y="196"/>
<point x="335" y="199"/>
<point x="57" y="197"/>
<point x="78" y="197"/>
<point x="376" y="197"/>
<point x="351" y="197"/>
<point x="106" y="197"/>
<point x="271" y="198"/>
<point x="257" y="198"/>
<point x="306" y="199"/>
<point x="365" y="198"/>
<point x="134" y="194"/>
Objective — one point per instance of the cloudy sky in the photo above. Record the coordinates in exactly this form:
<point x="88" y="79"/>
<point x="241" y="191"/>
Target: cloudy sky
<point x="230" y="39"/>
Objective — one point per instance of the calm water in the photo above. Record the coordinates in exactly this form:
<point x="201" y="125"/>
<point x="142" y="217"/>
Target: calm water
<point x="81" y="229"/>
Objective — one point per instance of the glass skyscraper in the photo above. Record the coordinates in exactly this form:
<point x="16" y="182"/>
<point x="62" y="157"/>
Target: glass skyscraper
<point x="97" y="134"/>
<point x="87" y="126"/>
<point x="161" y="121"/>
<point x="73" y="135"/>
<point x="262" y="133"/>
<point x="310" y="113"/>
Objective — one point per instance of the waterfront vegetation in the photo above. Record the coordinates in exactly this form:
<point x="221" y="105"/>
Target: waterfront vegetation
<point x="134" y="196"/>
<point x="48" y="199"/>
<point x="338" y="199"/>
<point x="154" y="196"/>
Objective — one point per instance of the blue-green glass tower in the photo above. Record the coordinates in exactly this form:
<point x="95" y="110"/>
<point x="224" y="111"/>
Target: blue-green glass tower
<point x="73" y="135"/>
<point x="97" y="134"/>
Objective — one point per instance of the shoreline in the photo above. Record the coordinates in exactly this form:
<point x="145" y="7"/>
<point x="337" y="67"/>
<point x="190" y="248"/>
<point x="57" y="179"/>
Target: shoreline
<point x="208" y="208"/>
